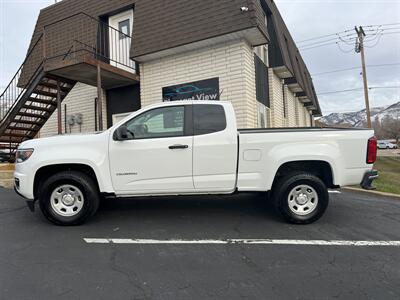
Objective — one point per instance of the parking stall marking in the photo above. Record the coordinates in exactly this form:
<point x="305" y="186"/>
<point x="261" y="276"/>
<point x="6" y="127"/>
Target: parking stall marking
<point x="245" y="241"/>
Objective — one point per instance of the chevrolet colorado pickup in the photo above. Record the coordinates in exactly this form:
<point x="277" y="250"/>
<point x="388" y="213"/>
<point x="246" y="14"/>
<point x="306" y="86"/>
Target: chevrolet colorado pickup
<point x="188" y="148"/>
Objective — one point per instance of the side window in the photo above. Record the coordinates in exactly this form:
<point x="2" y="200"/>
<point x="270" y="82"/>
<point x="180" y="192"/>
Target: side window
<point x="208" y="118"/>
<point x="158" y="123"/>
<point x="124" y="28"/>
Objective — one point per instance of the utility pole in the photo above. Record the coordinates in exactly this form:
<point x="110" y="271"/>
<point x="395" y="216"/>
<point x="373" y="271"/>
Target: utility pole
<point x="360" y="49"/>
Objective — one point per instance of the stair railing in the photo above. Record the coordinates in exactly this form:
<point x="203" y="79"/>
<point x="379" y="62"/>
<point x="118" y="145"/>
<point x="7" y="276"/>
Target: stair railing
<point x="15" y="89"/>
<point x="70" y="37"/>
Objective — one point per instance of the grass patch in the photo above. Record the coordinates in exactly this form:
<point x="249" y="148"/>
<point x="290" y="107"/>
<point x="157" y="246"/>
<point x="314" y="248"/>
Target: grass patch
<point x="389" y="175"/>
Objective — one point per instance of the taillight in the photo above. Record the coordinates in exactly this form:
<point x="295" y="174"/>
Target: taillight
<point x="372" y="149"/>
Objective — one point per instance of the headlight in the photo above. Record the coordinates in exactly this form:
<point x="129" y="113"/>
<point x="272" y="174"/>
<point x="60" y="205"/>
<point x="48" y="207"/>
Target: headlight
<point x="23" y="155"/>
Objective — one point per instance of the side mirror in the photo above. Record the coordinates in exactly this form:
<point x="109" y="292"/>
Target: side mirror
<point x="121" y="133"/>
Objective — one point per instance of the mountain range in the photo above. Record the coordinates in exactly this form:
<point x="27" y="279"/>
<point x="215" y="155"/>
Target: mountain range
<point x="358" y="118"/>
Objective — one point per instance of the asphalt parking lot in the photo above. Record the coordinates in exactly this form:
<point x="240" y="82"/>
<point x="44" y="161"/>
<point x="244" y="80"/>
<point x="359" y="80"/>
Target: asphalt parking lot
<point x="42" y="261"/>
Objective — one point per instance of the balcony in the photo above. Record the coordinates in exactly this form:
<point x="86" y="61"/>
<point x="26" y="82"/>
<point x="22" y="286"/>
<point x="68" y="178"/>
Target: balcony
<point x="76" y="46"/>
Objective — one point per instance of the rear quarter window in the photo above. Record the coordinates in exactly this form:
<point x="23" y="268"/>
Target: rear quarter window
<point x="208" y="118"/>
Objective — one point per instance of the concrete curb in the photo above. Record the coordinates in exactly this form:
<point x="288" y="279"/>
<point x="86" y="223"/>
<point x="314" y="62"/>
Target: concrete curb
<point x="372" y="192"/>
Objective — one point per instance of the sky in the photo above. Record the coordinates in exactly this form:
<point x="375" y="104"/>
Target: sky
<point x="306" y="19"/>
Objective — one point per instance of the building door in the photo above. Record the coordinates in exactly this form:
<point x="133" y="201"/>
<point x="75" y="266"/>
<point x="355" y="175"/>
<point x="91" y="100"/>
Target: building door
<point x="119" y="117"/>
<point x="120" y="39"/>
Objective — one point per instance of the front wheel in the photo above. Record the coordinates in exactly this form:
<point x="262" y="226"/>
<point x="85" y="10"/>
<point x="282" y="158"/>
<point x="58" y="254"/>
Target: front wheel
<point x="301" y="198"/>
<point x="69" y="198"/>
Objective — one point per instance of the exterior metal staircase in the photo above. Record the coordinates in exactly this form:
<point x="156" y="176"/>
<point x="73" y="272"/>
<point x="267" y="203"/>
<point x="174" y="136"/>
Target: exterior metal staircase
<point x="25" y="107"/>
<point x="59" y="60"/>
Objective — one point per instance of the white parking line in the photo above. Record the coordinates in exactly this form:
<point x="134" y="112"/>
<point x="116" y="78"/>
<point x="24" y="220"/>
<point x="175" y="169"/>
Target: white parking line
<point x="334" y="192"/>
<point x="244" y="241"/>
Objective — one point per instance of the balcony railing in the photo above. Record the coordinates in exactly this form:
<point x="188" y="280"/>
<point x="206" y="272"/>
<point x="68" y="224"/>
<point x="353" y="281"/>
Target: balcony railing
<point x="70" y="38"/>
<point x="82" y="34"/>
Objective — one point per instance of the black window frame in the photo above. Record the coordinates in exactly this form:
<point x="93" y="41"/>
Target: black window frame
<point x="123" y="35"/>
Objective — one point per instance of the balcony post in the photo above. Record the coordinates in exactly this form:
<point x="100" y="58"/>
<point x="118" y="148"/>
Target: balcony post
<point x="59" y="116"/>
<point x="99" y="98"/>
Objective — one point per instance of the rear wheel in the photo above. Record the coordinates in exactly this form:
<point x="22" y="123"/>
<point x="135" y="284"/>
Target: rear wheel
<point x="301" y="198"/>
<point x="69" y="198"/>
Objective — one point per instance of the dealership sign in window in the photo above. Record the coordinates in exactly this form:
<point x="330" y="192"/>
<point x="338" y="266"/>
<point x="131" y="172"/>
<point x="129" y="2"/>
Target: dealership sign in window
<point x="200" y="90"/>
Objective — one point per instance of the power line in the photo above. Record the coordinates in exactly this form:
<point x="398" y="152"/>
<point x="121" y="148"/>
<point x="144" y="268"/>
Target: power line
<point x="355" y="68"/>
<point x="344" y="51"/>
<point x="359" y="89"/>
<point x="338" y="38"/>
<point x="323" y="36"/>
<point x="381" y="25"/>
<point x="341" y="37"/>
<point x="323" y="45"/>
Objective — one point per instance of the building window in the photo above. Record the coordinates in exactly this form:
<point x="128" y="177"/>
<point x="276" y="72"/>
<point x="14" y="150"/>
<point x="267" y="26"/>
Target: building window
<point x="265" y="55"/>
<point x="284" y="98"/>
<point x="265" y="20"/>
<point x="311" y="119"/>
<point x="124" y="29"/>
<point x="296" y="108"/>
<point x="262" y="88"/>
<point x="264" y="116"/>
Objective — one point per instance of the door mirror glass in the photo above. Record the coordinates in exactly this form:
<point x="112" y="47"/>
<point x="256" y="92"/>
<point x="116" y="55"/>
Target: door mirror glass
<point x="121" y="133"/>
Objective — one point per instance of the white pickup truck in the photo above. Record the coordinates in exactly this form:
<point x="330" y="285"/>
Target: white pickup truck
<point x="186" y="148"/>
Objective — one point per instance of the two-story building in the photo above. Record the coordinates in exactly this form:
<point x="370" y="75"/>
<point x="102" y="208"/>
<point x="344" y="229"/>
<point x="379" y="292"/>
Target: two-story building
<point x="92" y="62"/>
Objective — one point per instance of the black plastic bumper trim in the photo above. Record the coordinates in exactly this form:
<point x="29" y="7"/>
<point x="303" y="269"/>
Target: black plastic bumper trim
<point x="368" y="178"/>
<point x="29" y="202"/>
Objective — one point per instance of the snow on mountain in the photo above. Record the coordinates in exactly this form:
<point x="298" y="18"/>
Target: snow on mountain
<point x="358" y="118"/>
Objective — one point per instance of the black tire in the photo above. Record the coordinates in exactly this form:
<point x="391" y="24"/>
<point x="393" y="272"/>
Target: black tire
<point x="283" y="187"/>
<point x="84" y="183"/>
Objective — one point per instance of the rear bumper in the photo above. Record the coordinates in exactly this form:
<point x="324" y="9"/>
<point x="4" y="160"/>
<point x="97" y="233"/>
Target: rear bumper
<point x="368" y="178"/>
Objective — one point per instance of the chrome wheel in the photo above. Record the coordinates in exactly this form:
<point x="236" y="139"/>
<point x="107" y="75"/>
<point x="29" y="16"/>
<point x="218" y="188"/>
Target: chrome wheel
<point x="303" y="200"/>
<point x="67" y="200"/>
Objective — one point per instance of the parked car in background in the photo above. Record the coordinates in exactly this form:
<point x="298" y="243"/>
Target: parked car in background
<point x="386" y="145"/>
<point x="4" y="155"/>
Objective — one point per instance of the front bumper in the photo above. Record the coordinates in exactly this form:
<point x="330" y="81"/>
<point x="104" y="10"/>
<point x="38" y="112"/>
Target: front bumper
<point x="29" y="202"/>
<point x="368" y="178"/>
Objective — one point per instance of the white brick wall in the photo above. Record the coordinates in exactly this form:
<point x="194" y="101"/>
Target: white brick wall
<point x="302" y="119"/>
<point x="276" y="100"/>
<point x="79" y="100"/>
<point x="291" y="108"/>
<point x="232" y="62"/>
<point x="308" y="120"/>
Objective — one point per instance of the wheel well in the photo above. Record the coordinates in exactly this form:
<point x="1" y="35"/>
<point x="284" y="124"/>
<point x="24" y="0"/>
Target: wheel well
<point x="45" y="172"/>
<point x="321" y="169"/>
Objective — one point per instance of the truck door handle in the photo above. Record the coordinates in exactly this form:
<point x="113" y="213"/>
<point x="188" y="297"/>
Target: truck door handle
<point x="173" y="147"/>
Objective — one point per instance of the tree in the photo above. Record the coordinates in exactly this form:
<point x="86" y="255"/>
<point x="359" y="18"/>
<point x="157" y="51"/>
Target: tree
<point x="391" y="128"/>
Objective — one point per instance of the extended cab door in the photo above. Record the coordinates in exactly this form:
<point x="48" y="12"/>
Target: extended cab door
<point x="157" y="155"/>
<point x="215" y="147"/>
